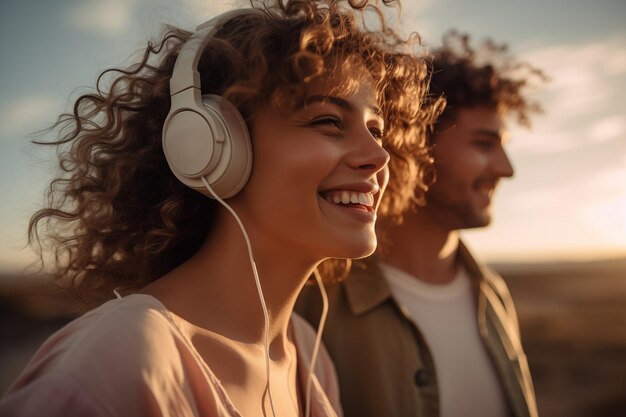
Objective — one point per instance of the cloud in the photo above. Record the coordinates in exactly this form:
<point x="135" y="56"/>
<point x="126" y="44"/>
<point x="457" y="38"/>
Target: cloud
<point x="607" y="128"/>
<point x="601" y="187"/>
<point x="581" y="75"/>
<point x="603" y="55"/>
<point x="203" y="10"/>
<point x="607" y="182"/>
<point x="218" y="7"/>
<point x="26" y="114"/>
<point x="583" y="101"/>
<point x="607" y="217"/>
<point x="107" y="17"/>
<point x="412" y="19"/>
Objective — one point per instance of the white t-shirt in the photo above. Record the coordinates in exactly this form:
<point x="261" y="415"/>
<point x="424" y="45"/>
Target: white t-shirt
<point x="446" y="316"/>
<point x="128" y="357"/>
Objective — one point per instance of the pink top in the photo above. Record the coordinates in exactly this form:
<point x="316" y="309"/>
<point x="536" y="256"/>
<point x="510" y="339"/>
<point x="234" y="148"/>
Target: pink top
<point x="128" y="357"/>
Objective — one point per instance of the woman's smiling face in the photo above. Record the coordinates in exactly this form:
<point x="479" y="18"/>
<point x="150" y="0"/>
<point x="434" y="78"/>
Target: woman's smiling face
<point x="319" y="173"/>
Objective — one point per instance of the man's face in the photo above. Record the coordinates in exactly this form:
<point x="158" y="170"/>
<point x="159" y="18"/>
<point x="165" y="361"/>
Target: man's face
<point x="470" y="160"/>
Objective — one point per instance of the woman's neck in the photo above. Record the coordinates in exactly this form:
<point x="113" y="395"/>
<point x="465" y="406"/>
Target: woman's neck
<point x="215" y="289"/>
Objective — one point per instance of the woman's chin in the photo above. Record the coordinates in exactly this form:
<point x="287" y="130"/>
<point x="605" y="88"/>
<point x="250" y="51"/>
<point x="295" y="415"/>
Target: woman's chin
<point x="358" y="250"/>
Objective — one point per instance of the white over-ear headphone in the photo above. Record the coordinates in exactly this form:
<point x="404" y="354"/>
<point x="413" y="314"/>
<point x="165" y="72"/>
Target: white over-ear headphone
<point x="205" y="136"/>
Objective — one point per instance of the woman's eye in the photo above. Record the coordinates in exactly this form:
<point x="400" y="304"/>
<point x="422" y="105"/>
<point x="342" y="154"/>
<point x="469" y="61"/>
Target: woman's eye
<point x="331" y="121"/>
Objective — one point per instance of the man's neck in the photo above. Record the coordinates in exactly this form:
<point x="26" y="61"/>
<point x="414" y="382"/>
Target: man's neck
<point x="422" y="247"/>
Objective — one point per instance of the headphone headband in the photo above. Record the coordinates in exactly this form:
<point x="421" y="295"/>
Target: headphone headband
<point x="185" y="74"/>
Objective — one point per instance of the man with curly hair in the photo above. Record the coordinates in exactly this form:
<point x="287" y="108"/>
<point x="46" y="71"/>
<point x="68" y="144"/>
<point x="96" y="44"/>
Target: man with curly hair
<point x="423" y="329"/>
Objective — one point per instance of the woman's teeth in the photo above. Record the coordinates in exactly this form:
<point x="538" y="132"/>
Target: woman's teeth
<point x="350" y="197"/>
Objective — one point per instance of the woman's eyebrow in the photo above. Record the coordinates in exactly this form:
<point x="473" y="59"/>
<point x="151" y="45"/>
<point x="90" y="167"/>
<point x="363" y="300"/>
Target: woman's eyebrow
<point x="338" y="101"/>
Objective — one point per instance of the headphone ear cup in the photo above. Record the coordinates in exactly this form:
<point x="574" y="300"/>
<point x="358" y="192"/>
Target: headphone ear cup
<point x="235" y="163"/>
<point x="208" y="139"/>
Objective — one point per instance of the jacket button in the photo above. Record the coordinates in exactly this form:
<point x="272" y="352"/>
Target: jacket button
<point x="421" y="378"/>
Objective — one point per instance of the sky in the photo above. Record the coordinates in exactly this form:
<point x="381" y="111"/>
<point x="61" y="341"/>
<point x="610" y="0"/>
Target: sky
<point x="567" y="200"/>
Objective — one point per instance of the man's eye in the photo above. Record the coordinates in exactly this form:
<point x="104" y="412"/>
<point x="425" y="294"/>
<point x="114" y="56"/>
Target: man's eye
<point x="483" y="144"/>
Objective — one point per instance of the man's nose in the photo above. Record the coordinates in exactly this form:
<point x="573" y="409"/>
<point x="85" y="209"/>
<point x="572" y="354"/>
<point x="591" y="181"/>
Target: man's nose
<point x="501" y="164"/>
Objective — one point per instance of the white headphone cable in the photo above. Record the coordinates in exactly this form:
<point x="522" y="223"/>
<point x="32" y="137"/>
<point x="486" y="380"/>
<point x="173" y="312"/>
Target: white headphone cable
<point x="318" y="340"/>
<point x="258" y="287"/>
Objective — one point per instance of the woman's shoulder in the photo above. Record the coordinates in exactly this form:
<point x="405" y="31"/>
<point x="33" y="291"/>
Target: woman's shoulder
<point x="125" y="334"/>
<point x="114" y="356"/>
<point x="121" y="334"/>
<point x="120" y="329"/>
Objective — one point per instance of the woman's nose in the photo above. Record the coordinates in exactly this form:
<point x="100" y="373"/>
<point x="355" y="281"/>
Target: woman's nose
<point x="368" y="153"/>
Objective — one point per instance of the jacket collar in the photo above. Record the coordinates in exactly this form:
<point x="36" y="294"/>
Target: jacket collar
<point x="474" y="271"/>
<point x="366" y="287"/>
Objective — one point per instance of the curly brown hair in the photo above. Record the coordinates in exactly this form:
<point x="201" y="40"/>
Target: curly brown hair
<point x="484" y="76"/>
<point x="116" y="216"/>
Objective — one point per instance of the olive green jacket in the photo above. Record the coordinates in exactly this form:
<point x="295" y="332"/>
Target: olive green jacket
<point x="384" y="365"/>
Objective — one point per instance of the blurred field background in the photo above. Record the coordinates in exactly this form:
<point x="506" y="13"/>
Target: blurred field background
<point x="573" y="323"/>
<point x="572" y="317"/>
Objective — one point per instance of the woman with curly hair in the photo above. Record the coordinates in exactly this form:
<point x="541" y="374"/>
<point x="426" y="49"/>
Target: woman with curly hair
<point x="201" y="323"/>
